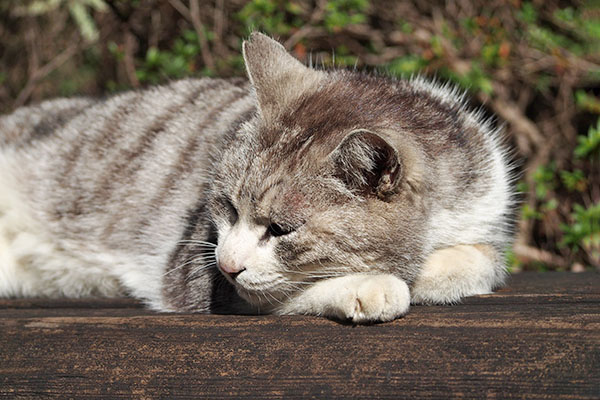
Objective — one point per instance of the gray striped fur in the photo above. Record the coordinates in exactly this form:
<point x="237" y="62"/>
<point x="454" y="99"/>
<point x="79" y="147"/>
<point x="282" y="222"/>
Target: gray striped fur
<point x="368" y="175"/>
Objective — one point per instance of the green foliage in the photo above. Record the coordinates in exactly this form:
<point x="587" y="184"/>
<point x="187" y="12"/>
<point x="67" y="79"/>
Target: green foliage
<point x="80" y="10"/>
<point x="512" y="262"/>
<point x="589" y="145"/>
<point x="528" y="212"/>
<point x="574" y="181"/>
<point x="475" y="79"/>
<point x="270" y="16"/>
<point x="342" y="57"/>
<point x="587" y="102"/>
<point x="405" y="26"/>
<point x="587" y="28"/>
<point x="341" y="13"/>
<point x="177" y="62"/>
<point x="579" y="34"/>
<point x="406" y="65"/>
<point x="584" y="231"/>
<point x="545" y="181"/>
<point x="529" y="54"/>
<point x="528" y="13"/>
<point x="280" y="17"/>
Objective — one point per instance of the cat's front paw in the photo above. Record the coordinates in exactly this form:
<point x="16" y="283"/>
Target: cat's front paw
<point x="377" y="298"/>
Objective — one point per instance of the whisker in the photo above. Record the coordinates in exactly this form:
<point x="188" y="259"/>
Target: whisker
<point x="195" y="259"/>
<point x="268" y="301"/>
<point x="325" y="274"/>
<point x="274" y="298"/>
<point x="196" y="242"/>
<point x="294" y="283"/>
<point x="201" y="268"/>
<point x="204" y="266"/>
<point x="202" y="253"/>
<point x="287" y="296"/>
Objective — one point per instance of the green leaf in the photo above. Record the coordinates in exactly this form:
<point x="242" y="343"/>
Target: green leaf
<point x="589" y="145"/>
<point x="574" y="181"/>
<point x="406" y="65"/>
<point x="528" y="13"/>
<point x="587" y="101"/>
<point x="152" y="56"/>
<point x="84" y="21"/>
<point x="584" y="229"/>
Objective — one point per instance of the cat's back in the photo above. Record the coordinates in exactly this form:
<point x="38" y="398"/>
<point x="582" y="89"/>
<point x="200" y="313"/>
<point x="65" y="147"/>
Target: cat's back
<point x="81" y="176"/>
<point x="77" y="158"/>
<point x="27" y="124"/>
<point x="131" y="110"/>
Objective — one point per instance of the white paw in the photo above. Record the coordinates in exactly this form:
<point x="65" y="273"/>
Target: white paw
<point x="376" y="298"/>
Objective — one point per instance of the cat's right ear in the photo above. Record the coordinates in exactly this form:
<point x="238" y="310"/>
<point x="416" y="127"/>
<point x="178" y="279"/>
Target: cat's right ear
<point x="277" y="77"/>
<point x="368" y="164"/>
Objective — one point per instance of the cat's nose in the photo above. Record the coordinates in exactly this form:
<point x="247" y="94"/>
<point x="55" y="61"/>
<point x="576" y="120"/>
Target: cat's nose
<point x="231" y="269"/>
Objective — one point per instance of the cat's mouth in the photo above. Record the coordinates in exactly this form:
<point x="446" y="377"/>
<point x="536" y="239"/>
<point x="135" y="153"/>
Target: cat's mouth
<point x="265" y="299"/>
<point x="265" y="293"/>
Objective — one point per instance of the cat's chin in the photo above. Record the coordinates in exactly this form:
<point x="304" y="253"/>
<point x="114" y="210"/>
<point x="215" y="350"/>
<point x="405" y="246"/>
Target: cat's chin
<point x="265" y="300"/>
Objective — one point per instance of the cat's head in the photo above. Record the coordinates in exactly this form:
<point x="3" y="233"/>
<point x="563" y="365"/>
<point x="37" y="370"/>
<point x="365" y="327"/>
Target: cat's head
<point x="322" y="183"/>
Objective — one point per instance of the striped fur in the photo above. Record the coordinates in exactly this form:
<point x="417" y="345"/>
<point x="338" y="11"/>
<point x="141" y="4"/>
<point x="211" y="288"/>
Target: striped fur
<point x="316" y="192"/>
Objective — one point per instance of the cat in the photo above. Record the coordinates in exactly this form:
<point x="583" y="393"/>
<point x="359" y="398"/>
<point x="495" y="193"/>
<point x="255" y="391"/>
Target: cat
<point x="301" y="191"/>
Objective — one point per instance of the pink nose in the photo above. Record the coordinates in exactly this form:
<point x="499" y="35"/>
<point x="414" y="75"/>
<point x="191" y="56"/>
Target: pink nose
<point x="231" y="269"/>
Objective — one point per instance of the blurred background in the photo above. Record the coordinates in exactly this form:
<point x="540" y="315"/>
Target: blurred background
<point x="535" y="65"/>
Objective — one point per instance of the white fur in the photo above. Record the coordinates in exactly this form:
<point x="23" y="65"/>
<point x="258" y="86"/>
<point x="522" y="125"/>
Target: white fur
<point x="240" y="248"/>
<point x="33" y="263"/>
<point x="475" y="221"/>
<point x="455" y="272"/>
<point x="458" y="266"/>
<point x="360" y="298"/>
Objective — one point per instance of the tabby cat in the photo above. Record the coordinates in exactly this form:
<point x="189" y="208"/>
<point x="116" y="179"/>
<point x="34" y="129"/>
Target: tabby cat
<point x="302" y="191"/>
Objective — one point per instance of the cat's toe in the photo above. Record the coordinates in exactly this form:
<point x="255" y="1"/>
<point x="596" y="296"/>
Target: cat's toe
<point x="380" y="299"/>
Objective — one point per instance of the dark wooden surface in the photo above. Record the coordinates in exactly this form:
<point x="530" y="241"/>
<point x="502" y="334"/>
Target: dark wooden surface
<point x="537" y="338"/>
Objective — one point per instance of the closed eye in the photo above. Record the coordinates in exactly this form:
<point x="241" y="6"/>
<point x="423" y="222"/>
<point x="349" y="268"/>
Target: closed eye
<point x="278" y="230"/>
<point x="233" y="214"/>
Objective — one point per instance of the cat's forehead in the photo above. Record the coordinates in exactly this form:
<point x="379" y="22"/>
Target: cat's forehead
<point x="344" y="100"/>
<point x="289" y="153"/>
<point x="268" y="193"/>
<point x="318" y="119"/>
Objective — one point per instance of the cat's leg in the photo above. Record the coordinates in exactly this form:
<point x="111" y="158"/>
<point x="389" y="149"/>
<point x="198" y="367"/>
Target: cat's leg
<point x="452" y="273"/>
<point x="360" y="298"/>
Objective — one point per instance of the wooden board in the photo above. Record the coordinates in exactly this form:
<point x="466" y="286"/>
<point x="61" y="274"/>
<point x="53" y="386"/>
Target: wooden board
<point x="538" y="338"/>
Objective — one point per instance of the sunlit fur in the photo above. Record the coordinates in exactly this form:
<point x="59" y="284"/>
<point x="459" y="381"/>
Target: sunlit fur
<point x="330" y="193"/>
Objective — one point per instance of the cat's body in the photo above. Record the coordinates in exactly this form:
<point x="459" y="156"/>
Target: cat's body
<point x="328" y="193"/>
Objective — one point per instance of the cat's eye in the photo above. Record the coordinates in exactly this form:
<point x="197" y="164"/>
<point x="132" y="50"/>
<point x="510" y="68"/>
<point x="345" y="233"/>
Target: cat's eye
<point x="233" y="214"/>
<point x="278" y="230"/>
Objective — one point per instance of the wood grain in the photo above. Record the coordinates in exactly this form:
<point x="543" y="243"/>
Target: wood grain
<point x="538" y="338"/>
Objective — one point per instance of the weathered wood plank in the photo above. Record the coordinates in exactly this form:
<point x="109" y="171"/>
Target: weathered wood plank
<point x="523" y="342"/>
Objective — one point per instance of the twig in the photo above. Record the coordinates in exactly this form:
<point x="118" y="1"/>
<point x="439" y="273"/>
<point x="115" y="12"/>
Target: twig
<point x="122" y="17"/>
<point x="43" y="71"/>
<point x="128" y="59"/>
<point x="219" y="26"/>
<point x="204" y="50"/>
<point x="193" y="15"/>
<point x="528" y="254"/>
<point x="511" y="113"/>
<point x="316" y="16"/>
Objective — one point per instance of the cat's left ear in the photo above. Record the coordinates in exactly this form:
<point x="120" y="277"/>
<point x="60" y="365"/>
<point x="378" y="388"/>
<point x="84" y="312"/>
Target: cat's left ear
<point x="277" y="77"/>
<point x="368" y="164"/>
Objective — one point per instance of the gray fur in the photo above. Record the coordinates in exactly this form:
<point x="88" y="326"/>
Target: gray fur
<point x="357" y="168"/>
